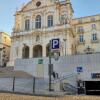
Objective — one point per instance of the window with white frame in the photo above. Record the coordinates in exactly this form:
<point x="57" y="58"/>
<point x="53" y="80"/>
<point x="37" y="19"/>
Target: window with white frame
<point x="50" y="20"/>
<point x="81" y="38"/>
<point x="27" y="24"/>
<point x="94" y="36"/>
<point x="63" y="19"/>
<point x="38" y="22"/>
<point x="80" y="29"/>
<point x="93" y="26"/>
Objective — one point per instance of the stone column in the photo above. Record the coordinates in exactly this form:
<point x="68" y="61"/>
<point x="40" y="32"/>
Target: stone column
<point x="20" y="52"/>
<point x="31" y="51"/>
<point x="44" y="51"/>
<point x="68" y="45"/>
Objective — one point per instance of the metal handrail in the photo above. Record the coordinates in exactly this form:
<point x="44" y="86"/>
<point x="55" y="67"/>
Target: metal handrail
<point x="64" y="77"/>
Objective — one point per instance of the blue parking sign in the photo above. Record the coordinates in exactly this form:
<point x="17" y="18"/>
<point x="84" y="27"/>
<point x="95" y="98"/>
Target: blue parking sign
<point x="55" y="44"/>
<point x="79" y="69"/>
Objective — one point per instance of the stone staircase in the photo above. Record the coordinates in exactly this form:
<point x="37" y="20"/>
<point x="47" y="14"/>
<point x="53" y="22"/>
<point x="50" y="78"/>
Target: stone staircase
<point x="6" y="69"/>
<point x="66" y="85"/>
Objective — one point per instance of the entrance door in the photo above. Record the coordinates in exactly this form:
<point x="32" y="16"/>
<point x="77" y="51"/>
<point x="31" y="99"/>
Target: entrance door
<point x="92" y="87"/>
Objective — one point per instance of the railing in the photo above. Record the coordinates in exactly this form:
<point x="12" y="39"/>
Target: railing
<point x="69" y="87"/>
<point x="65" y="83"/>
<point x="43" y="29"/>
<point x="65" y="77"/>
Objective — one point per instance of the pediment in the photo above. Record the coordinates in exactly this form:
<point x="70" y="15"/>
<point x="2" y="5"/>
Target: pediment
<point x="35" y="4"/>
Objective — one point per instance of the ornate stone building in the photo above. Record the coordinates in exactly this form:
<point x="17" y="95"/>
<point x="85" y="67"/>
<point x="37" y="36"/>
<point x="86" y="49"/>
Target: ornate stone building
<point x="5" y="44"/>
<point x="39" y="21"/>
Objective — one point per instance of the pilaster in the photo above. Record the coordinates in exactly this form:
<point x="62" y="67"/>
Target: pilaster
<point x="44" y="51"/>
<point x="31" y="51"/>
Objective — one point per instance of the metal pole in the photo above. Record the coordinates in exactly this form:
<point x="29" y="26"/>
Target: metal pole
<point x="50" y="65"/>
<point x="65" y="33"/>
<point x="33" y="84"/>
<point x="50" y="72"/>
<point x="13" y="84"/>
<point x="65" y="45"/>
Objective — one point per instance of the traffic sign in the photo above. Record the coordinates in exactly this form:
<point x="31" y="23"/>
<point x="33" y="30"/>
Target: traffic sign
<point x="55" y="44"/>
<point x="40" y="61"/>
<point x="79" y="69"/>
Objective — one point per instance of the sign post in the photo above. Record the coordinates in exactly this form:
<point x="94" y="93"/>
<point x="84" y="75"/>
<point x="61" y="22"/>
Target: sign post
<point x="54" y="45"/>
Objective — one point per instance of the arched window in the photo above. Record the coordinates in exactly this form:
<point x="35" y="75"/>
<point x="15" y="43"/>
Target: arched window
<point x="27" y="24"/>
<point x="37" y="51"/>
<point x="50" y="21"/>
<point x="38" y="22"/>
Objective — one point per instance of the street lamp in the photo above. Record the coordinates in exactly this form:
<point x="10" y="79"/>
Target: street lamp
<point x="50" y="69"/>
<point x="65" y="44"/>
<point x="65" y="17"/>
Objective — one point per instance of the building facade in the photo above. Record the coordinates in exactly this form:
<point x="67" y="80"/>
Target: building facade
<point x="5" y="44"/>
<point x="37" y="22"/>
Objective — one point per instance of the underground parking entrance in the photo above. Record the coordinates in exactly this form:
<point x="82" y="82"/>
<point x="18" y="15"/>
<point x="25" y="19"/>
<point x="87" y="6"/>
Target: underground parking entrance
<point x="92" y="87"/>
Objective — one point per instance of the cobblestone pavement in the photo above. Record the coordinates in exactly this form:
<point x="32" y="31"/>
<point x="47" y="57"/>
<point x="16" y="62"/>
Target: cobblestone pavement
<point x="7" y="96"/>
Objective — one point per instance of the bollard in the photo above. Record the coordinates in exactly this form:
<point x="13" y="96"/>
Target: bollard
<point x="33" y="84"/>
<point x="13" y="84"/>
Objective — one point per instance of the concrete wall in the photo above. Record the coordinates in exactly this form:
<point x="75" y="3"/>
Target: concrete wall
<point x="64" y="66"/>
<point x="6" y="84"/>
<point x="23" y="85"/>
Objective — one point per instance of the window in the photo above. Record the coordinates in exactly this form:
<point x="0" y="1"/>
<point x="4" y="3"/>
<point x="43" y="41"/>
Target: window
<point x="27" y="24"/>
<point x="38" y="3"/>
<point x="50" y="20"/>
<point x="93" y="26"/>
<point x="93" y="19"/>
<point x="94" y="37"/>
<point x="80" y="29"/>
<point x="63" y="19"/>
<point x="38" y="22"/>
<point x="81" y="38"/>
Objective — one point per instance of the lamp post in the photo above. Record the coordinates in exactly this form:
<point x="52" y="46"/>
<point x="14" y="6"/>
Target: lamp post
<point x="50" y="65"/>
<point x="65" y="20"/>
<point x="50" y="69"/>
<point x="65" y="44"/>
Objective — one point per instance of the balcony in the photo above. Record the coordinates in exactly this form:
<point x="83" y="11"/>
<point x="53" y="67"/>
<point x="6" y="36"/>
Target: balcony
<point x="41" y="30"/>
<point x="80" y="32"/>
<point x="88" y="50"/>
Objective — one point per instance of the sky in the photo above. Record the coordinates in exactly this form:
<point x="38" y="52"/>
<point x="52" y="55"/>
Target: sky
<point x="8" y="7"/>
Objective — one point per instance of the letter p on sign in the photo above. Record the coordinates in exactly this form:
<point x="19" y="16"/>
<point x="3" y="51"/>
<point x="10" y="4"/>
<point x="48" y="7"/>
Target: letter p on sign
<point x="55" y="44"/>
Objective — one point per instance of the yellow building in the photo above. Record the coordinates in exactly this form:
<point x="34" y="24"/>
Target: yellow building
<point x="5" y="43"/>
<point x="87" y="30"/>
